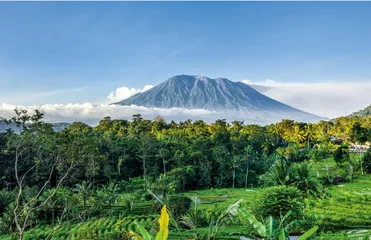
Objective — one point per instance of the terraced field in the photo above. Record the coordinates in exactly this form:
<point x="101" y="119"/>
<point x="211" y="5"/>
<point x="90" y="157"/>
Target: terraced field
<point x="103" y="228"/>
<point x="347" y="210"/>
<point x="348" y="207"/>
<point x="212" y="198"/>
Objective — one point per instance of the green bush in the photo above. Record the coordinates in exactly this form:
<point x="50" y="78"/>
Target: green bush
<point x="341" y="155"/>
<point x="367" y="161"/>
<point x="6" y="197"/>
<point x="275" y="201"/>
<point x="320" y="152"/>
<point x="178" y="205"/>
<point x="132" y="185"/>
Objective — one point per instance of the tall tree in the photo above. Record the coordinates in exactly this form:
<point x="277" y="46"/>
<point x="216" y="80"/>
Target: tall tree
<point x="248" y="157"/>
<point x="37" y="139"/>
<point x="84" y="190"/>
<point x="163" y="154"/>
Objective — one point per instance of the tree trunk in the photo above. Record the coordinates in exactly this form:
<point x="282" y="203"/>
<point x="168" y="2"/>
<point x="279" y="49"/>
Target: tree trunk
<point x="144" y="168"/>
<point x="164" y="163"/>
<point x="53" y="216"/>
<point x="234" y="176"/>
<point x="351" y="171"/>
<point x="144" y="172"/>
<point x="247" y="173"/>
<point x="328" y="175"/>
<point x="84" y="206"/>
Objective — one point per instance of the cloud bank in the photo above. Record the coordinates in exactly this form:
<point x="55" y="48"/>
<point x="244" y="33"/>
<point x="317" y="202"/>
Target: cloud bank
<point x="91" y="114"/>
<point x="122" y="93"/>
<point x="327" y="99"/>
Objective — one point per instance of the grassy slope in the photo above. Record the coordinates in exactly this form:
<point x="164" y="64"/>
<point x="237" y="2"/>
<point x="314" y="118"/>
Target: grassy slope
<point x="349" y="205"/>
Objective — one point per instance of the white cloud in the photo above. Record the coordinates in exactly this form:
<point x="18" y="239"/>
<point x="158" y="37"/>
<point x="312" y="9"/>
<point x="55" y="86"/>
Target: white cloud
<point x="122" y="93"/>
<point x="247" y="81"/>
<point x="91" y="114"/>
<point x="327" y="99"/>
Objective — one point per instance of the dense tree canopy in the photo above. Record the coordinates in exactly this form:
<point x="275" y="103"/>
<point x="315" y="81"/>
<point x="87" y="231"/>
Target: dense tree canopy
<point x="166" y="157"/>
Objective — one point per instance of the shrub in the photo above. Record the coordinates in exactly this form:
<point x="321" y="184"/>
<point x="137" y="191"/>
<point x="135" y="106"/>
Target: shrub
<point x="6" y="197"/>
<point x="132" y="185"/>
<point x="367" y="161"/>
<point x="320" y="152"/>
<point x="341" y="155"/>
<point x="178" y="205"/>
<point x="275" y="201"/>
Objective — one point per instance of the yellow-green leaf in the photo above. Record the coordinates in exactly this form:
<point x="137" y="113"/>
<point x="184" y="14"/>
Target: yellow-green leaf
<point x="164" y="225"/>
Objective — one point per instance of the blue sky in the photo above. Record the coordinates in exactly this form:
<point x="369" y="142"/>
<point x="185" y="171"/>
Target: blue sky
<point x="73" y="52"/>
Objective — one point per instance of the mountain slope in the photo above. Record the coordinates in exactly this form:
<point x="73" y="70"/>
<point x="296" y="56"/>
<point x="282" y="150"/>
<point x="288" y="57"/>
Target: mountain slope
<point x="3" y="126"/>
<point x="232" y="98"/>
<point x="362" y="113"/>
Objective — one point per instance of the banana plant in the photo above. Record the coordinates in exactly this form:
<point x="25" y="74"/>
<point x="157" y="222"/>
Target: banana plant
<point x="162" y="234"/>
<point x="275" y="229"/>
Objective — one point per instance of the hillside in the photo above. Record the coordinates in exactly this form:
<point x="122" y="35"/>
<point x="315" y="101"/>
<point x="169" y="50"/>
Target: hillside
<point x="362" y="113"/>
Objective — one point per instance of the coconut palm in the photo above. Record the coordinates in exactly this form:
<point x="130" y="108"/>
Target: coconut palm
<point x="249" y="153"/>
<point x="309" y="133"/>
<point x="304" y="181"/>
<point x="236" y="162"/>
<point x="50" y="205"/>
<point x="84" y="190"/>
<point x="163" y="154"/>
<point x="279" y="172"/>
<point x="297" y="134"/>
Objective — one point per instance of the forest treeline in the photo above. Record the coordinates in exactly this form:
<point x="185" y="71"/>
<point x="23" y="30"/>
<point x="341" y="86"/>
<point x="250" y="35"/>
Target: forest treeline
<point x="219" y="154"/>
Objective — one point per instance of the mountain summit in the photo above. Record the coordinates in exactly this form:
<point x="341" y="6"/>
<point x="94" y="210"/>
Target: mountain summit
<point x="220" y="94"/>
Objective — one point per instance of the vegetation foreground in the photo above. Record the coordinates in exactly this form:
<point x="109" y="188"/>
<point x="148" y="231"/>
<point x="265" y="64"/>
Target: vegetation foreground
<point x="144" y="179"/>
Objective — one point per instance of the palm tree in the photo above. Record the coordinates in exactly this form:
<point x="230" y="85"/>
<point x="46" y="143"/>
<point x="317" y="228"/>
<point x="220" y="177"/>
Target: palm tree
<point x="304" y="181"/>
<point x="280" y="172"/>
<point x="309" y="133"/>
<point x="278" y="131"/>
<point x="50" y="205"/>
<point x="297" y="135"/>
<point x="84" y="190"/>
<point x="235" y="164"/>
<point x="248" y="150"/>
<point x="163" y="154"/>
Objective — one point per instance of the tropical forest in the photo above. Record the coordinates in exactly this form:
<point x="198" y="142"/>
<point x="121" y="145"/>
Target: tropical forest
<point x="155" y="179"/>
